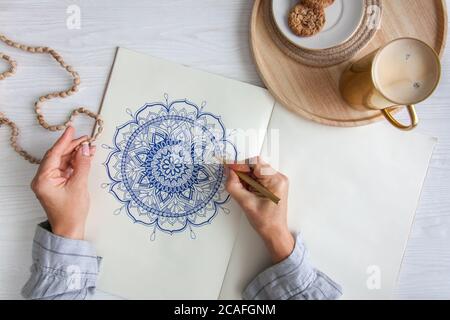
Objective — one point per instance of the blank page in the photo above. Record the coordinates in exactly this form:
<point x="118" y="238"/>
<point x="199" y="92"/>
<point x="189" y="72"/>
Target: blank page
<point x="353" y="196"/>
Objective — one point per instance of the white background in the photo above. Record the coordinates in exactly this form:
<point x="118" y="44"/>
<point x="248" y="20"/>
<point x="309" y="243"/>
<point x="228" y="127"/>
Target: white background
<point x="210" y="35"/>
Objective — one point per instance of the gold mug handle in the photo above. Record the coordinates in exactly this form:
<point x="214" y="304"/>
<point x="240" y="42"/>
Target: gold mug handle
<point x="412" y="114"/>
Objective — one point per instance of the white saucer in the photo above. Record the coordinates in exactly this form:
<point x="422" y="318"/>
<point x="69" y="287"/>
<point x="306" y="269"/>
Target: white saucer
<point x="342" y="20"/>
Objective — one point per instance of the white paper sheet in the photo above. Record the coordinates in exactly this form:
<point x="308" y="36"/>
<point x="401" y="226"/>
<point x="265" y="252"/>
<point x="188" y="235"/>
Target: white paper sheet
<point x="353" y="195"/>
<point x="172" y="266"/>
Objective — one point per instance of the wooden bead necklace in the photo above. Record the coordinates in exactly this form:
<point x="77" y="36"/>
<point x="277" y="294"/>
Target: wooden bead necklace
<point x="38" y="104"/>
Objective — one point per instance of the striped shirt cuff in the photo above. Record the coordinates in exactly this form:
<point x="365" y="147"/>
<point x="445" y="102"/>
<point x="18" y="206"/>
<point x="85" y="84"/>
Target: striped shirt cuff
<point x="285" y="279"/>
<point x="60" y="265"/>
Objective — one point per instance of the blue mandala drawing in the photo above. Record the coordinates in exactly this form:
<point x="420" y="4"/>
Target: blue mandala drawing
<point x="165" y="166"/>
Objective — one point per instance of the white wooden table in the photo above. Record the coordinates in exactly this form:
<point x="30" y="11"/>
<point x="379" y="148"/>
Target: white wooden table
<point x="211" y="35"/>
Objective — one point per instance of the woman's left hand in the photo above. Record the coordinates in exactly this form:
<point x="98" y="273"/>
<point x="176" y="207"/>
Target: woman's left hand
<point x="61" y="184"/>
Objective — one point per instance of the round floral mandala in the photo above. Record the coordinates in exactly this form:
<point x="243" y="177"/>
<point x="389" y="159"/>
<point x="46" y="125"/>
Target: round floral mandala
<point x="165" y="166"/>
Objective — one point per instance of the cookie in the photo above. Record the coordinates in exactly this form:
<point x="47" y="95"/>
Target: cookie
<point x="306" y="21"/>
<point x="322" y="3"/>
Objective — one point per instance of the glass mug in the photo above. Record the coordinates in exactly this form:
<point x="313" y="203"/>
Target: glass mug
<point x="404" y="72"/>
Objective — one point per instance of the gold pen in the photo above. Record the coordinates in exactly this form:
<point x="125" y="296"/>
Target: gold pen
<point x="263" y="191"/>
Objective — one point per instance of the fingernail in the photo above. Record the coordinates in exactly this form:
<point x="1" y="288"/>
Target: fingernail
<point x="85" y="149"/>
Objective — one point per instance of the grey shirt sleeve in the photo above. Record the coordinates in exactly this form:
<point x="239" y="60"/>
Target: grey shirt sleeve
<point x="67" y="269"/>
<point x="293" y="278"/>
<point x="62" y="268"/>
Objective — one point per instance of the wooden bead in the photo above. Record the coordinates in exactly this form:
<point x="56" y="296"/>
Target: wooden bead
<point x="38" y="104"/>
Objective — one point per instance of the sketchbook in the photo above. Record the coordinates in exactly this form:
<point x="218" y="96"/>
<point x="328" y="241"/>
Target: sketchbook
<point x="164" y="223"/>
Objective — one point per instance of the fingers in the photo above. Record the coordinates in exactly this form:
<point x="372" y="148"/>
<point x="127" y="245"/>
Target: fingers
<point x="264" y="170"/>
<point x="256" y="165"/>
<point x="81" y="164"/>
<point x="254" y="161"/>
<point x="63" y="142"/>
<point x="236" y="189"/>
<point x="244" y="166"/>
<point x="246" y="199"/>
<point x="260" y="168"/>
<point x="52" y="159"/>
<point x="269" y="176"/>
<point x="64" y="145"/>
<point x="67" y="173"/>
<point x="75" y="143"/>
<point x="239" y="167"/>
<point x="65" y="162"/>
<point x="67" y="157"/>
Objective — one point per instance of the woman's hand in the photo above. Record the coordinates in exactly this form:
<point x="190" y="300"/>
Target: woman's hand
<point x="61" y="184"/>
<point x="266" y="217"/>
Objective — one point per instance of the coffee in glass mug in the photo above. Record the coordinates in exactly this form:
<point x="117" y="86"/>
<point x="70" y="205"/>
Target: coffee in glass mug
<point x="404" y="72"/>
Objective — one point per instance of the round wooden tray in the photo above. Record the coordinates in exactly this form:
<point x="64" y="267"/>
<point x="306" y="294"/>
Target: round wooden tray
<point x="314" y="93"/>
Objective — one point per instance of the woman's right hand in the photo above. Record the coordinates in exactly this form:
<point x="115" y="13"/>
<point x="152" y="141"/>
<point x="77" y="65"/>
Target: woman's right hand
<point x="267" y="218"/>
